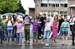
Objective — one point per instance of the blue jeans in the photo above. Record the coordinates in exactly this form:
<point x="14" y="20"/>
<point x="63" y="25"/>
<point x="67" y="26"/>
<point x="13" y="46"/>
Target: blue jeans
<point x="46" y="36"/>
<point x="9" y="35"/>
<point x="19" y="38"/>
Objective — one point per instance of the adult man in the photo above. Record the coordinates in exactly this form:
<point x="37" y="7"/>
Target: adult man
<point x="72" y="18"/>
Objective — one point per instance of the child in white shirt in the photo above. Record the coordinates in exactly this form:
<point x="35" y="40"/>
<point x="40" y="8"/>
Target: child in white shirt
<point x="47" y="31"/>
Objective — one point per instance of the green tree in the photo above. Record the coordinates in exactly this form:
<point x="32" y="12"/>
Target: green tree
<point x="7" y="6"/>
<point x="20" y="9"/>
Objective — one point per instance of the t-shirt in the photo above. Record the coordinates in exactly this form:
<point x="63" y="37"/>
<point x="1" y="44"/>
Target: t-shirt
<point x="35" y="26"/>
<point x="51" y="20"/>
<point x="48" y="26"/>
<point x="19" y="27"/>
<point x="4" y="23"/>
<point x="65" y="26"/>
<point x="9" y="23"/>
<point x="72" y="20"/>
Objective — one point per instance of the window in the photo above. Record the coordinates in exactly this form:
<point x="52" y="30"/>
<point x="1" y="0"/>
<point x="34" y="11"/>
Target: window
<point x="44" y="1"/>
<point x="57" y="5"/>
<point x="55" y="12"/>
<point x="64" y="0"/>
<point x="63" y="12"/>
<point x="52" y="5"/>
<point x="53" y="1"/>
<point x="58" y="1"/>
<point x="63" y="5"/>
<point x="43" y="5"/>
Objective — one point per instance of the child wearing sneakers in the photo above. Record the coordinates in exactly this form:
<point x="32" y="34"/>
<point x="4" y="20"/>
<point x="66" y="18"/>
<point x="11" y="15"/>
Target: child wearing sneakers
<point x="47" y="31"/>
<point x="64" y="29"/>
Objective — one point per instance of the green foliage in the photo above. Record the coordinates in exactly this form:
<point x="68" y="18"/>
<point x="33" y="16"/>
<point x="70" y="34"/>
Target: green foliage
<point x="7" y="6"/>
<point x="20" y="9"/>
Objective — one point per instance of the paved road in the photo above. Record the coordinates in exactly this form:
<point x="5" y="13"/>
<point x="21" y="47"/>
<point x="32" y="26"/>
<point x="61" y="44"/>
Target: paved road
<point x="37" y="47"/>
<point x="57" y="45"/>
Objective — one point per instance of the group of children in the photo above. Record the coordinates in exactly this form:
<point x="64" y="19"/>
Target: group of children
<point x="8" y="32"/>
<point x="49" y="28"/>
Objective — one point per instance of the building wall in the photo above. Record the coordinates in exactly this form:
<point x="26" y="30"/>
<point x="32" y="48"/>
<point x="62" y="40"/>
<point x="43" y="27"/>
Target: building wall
<point x="71" y="2"/>
<point x="50" y="10"/>
<point x="39" y="9"/>
<point x="32" y="11"/>
<point x="71" y="10"/>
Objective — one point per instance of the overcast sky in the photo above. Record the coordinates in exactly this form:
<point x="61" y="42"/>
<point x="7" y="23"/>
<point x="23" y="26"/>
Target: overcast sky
<point x="27" y="4"/>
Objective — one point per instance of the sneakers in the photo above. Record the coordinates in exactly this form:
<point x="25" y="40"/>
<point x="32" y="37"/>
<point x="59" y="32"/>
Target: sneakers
<point x="28" y="41"/>
<point x="46" y="44"/>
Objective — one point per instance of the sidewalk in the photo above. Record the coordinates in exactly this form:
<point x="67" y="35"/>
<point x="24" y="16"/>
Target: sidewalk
<point x="57" y="45"/>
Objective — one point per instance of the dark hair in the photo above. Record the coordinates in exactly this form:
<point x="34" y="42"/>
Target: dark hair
<point x="44" y="14"/>
<point x="20" y="22"/>
<point x="26" y="15"/>
<point x="4" y="17"/>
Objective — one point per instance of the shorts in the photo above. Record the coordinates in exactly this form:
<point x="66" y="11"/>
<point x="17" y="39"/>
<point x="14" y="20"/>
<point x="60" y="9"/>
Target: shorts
<point x="64" y="33"/>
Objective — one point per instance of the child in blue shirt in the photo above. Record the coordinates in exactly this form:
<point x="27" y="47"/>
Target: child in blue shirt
<point x="64" y="28"/>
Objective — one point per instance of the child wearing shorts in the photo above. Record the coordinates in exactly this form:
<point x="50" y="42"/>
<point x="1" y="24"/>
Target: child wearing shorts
<point x="64" y="29"/>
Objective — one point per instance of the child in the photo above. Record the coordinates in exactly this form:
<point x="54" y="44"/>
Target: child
<point x="65" y="27"/>
<point x="9" y="28"/>
<point x="19" y="32"/>
<point x="35" y="31"/>
<point x="55" y="28"/>
<point x="47" y="31"/>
